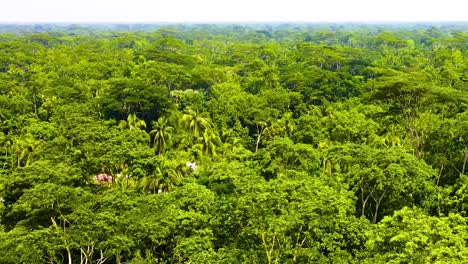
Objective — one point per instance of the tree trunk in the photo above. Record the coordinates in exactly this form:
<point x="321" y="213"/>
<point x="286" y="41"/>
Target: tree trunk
<point x="35" y="105"/>
<point x="69" y="256"/>
<point x="260" y="131"/>
<point x="440" y="174"/>
<point x="464" y="161"/>
<point x="268" y="251"/>
<point x="256" y="145"/>
<point x="364" y="201"/>
<point x="102" y="259"/>
<point x="377" y="204"/>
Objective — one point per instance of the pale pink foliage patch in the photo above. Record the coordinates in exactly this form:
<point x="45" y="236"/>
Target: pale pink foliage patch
<point x="103" y="178"/>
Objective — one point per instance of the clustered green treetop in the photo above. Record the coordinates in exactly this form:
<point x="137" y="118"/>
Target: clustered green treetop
<point x="235" y="144"/>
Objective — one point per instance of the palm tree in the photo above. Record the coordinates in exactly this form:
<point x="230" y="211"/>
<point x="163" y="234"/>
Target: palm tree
<point x="231" y="138"/>
<point x="288" y="124"/>
<point x="151" y="183"/>
<point x="162" y="135"/>
<point x="172" y="177"/>
<point x="195" y="122"/>
<point x="284" y="127"/>
<point x="210" y="142"/>
<point x="167" y="176"/>
<point x="24" y="148"/>
<point x="133" y="122"/>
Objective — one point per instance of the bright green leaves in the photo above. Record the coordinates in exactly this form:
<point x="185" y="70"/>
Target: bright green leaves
<point x="25" y="246"/>
<point x="128" y="95"/>
<point x="162" y="135"/>
<point x="383" y="179"/>
<point x="195" y="123"/>
<point x="412" y="236"/>
<point x="282" y="154"/>
<point x="294" y="217"/>
<point x="229" y="143"/>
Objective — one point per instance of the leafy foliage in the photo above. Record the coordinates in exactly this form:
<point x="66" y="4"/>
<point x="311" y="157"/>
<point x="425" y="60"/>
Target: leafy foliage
<point x="234" y="144"/>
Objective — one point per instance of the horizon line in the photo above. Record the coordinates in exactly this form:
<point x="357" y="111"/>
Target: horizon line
<point x="239" y="22"/>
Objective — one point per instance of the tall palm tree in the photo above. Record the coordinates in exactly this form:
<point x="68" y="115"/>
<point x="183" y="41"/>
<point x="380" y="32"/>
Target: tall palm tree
<point x="195" y="122"/>
<point x="210" y="142"/>
<point x="162" y="133"/>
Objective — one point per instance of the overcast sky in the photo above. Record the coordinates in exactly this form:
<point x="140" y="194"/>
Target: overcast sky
<point x="232" y="10"/>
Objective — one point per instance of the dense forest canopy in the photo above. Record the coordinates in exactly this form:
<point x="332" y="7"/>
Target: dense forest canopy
<point x="268" y="143"/>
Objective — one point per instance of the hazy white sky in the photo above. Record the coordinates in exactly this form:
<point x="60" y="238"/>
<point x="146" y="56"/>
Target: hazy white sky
<point x="231" y="10"/>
